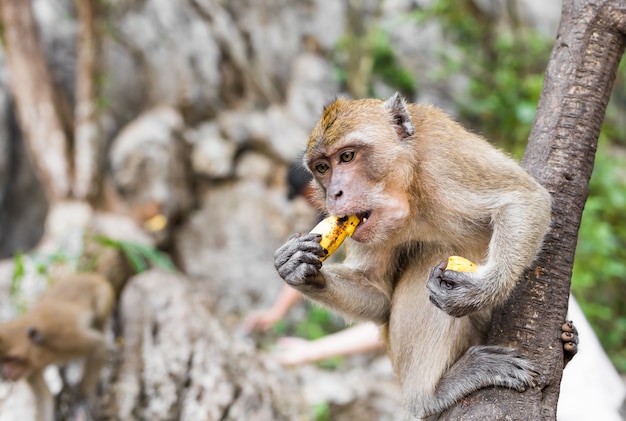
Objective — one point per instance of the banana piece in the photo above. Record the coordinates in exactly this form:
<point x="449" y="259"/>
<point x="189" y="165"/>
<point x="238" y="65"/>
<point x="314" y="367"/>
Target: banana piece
<point x="334" y="230"/>
<point x="156" y="223"/>
<point x="460" y="264"/>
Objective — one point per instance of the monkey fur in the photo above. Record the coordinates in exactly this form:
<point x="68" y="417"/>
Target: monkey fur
<point x="425" y="189"/>
<point x="66" y="324"/>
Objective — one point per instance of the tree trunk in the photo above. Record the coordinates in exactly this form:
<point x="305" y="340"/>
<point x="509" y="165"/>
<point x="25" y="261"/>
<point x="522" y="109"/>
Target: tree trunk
<point x="88" y="142"/>
<point x="560" y="154"/>
<point x="35" y="97"/>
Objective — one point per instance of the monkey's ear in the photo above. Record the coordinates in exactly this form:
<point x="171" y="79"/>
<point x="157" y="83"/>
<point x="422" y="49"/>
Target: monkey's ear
<point x="400" y="115"/>
<point x="34" y="335"/>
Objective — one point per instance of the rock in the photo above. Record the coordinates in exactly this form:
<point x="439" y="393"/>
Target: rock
<point x="287" y="138"/>
<point x="149" y="162"/>
<point x="177" y="353"/>
<point x="230" y="240"/>
<point x="177" y="52"/>
<point x="212" y="155"/>
<point x="313" y="85"/>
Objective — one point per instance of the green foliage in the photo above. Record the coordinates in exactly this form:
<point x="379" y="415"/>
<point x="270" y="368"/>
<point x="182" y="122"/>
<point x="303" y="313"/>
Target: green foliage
<point x="141" y="257"/>
<point x="35" y="263"/>
<point x="321" y="412"/>
<point x="386" y="67"/>
<point x="599" y="277"/>
<point x="504" y="66"/>
<point x="318" y="323"/>
<point x="383" y="65"/>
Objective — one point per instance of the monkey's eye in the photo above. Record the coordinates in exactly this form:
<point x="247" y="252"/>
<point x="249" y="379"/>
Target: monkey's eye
<point x="346" y="156"/>
<point x="321" y="168"/>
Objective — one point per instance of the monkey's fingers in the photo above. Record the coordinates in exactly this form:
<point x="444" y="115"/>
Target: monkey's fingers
<point x="569" y="337"/>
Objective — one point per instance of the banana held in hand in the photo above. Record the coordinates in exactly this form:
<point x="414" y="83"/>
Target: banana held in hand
<point x="460" y="264"/>
<point x="334" y="230"/>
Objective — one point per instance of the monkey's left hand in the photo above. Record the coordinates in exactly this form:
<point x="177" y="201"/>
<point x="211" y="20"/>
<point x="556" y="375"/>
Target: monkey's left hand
<point x="456" y="293"/>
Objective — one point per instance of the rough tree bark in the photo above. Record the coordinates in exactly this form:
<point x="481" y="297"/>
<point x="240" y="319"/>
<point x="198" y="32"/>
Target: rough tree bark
<point x="560" y="154"/>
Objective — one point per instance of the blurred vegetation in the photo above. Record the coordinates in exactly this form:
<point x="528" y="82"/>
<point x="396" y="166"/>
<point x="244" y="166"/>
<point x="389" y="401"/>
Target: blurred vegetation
<point x="365" y="58"/>
<point x="599" y="277"/>
<point x="316" y="323"/>
<point x="504" y="65"/>
<point x="81" y="259"/>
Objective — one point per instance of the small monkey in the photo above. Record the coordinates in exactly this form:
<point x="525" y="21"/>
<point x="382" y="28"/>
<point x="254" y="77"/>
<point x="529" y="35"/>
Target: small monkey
<point x="424" y="189"/>
<point x="66" y="324"/>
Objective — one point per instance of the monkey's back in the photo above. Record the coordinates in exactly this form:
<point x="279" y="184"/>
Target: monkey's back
<point x="89" y="291"/>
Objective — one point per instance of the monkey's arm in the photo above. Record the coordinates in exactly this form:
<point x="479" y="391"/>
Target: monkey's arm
<point x="339" y="287"/>
<point x="518" y="221"/>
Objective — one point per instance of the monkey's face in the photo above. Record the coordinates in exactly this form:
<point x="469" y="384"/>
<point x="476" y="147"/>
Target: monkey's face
<point x="12" y="362"/>
<point x="13" y="368"/>
<point x="356" y="159"/>
<point x="18" y="349"/>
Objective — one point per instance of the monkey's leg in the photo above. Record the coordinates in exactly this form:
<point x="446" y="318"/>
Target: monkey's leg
<point x="94" y="361"/>
<point x="43" y="398"/>
<point x="438" y="358"/>
<point x="481" y="366"/>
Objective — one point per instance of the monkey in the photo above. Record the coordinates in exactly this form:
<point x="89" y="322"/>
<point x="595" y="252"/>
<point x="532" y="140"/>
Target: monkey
<point x="424" y="188"/>
<point x="67" y="323"/>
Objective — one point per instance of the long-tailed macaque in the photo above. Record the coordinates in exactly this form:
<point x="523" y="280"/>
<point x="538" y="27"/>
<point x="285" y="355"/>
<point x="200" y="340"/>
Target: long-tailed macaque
<point x="424" y="189"/>
<point x="66" y="324"/>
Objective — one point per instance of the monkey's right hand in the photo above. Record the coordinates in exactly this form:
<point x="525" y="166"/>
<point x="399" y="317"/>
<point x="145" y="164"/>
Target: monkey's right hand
<point x="298" y="260"/>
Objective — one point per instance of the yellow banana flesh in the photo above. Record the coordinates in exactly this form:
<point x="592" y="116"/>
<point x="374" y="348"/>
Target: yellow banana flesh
<point x="460" y="264"/>
<point x="334" y="230"/>
<point x="156" y="223"/>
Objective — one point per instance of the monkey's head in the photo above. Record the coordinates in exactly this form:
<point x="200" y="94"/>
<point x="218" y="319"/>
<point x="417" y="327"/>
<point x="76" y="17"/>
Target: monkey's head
<point x="362" y="158"/>
<point x="17" y="343"/>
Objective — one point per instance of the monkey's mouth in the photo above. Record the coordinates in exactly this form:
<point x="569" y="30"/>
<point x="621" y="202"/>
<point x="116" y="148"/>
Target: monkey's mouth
<point x="359" y="233"/>
<point x="363" y="216"/>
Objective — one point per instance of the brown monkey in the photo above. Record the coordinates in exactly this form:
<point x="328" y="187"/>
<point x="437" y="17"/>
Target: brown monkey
<point x="66" y="324"/>
<point x="424" y="189"/>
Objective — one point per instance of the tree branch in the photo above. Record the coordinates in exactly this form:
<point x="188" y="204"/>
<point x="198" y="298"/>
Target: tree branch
<point x="88" y="144"/>
<point x="32" y="87"/>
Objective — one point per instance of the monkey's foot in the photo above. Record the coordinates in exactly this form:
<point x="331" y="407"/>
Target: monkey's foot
<point x="569" y="337"/>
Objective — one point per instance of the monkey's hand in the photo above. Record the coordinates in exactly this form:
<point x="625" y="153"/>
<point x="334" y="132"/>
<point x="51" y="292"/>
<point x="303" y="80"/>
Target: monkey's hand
<point x="298" y="260"/>
<point x="456" y="293"/>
